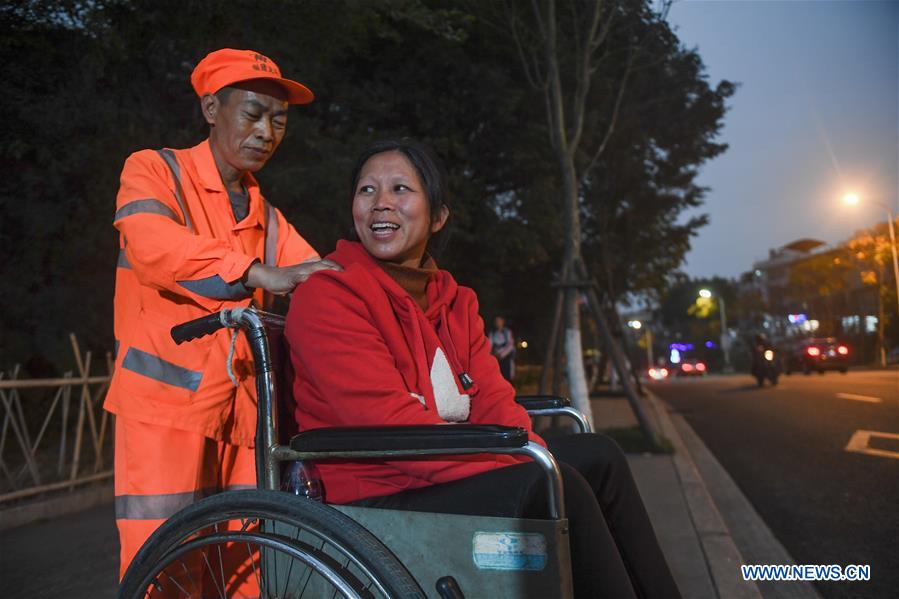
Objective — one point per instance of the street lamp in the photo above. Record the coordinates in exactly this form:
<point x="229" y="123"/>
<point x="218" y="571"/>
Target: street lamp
<point x="725" y="340"/>
<point x="637" y="325"/>
<point x="852" y="199"/>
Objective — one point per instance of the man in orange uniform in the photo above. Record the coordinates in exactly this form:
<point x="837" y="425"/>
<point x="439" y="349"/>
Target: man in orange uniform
<point x="197" y="236"/>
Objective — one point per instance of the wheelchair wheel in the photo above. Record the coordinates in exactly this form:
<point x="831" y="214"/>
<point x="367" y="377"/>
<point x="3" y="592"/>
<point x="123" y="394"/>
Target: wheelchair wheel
<point x="264" y="544"/>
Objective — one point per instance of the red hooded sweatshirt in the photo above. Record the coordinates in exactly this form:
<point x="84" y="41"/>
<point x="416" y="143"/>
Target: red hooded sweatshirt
<point x="364" y="353"/>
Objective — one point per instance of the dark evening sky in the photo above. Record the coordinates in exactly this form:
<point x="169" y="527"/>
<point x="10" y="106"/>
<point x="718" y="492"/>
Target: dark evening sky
<point x="816" y="116"/>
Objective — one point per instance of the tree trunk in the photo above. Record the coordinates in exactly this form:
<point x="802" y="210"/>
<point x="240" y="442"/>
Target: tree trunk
<point x="574" y="356"/>
<point x="574" y="350"/>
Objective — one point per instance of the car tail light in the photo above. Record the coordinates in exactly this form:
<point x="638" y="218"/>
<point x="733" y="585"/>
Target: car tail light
<point x="664" y="372"/>
<point x="687" y="367"/>
<point x="813" y="351"/>
<point x="843" y="350"/>
<point x="700" y="367"/>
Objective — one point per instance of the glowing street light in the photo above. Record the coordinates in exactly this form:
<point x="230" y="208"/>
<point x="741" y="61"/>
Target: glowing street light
<point x="637" y="325"/>
<point x="853" y="199"/>
<point x="725" y="340"/>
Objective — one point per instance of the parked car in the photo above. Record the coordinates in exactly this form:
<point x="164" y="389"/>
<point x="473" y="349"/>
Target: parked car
<point x="690" y="367"/>
<point x="818" y="354"/>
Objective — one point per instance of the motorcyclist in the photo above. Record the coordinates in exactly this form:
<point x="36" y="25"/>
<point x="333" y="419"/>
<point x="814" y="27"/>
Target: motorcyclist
<point x="765" y="361"/>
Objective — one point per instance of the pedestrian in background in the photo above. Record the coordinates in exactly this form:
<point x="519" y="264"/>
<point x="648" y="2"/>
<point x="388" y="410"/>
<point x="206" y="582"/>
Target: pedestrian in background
<point x="502" y="345"/>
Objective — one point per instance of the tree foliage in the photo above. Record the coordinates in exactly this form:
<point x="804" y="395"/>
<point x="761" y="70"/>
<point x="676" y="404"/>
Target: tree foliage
<point x="88" y="82"/>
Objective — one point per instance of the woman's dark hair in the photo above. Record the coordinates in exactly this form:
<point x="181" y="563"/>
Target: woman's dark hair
<point x="430" y="170"/>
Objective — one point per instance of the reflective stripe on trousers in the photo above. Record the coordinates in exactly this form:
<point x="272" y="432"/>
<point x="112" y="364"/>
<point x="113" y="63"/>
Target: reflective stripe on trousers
<point x="160" y="470"/>
<point x="164" y="505"/>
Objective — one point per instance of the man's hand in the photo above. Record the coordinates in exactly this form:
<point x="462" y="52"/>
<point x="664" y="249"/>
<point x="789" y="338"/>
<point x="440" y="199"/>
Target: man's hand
<point x="282" y="280"/>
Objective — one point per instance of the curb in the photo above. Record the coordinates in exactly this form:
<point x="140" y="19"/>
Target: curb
<point x="757" y="543"/>
<point x="56" y="506"/>
<point x="721" y="553"/>
<point x="730" y="530"/>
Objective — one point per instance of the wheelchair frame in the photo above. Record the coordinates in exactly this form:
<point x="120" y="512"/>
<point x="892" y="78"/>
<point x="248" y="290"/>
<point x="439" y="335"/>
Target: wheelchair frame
<point x="398" y="442"/>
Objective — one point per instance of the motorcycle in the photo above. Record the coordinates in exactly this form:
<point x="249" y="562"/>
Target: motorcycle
<point x="765" y="364"/>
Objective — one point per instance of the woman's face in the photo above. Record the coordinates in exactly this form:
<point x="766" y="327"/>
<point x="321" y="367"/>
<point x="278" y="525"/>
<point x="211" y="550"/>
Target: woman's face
<point x="390" y="210"/>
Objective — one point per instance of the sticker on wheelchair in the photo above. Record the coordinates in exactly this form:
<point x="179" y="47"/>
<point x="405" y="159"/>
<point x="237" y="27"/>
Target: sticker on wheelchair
<point x="509" y="550"/>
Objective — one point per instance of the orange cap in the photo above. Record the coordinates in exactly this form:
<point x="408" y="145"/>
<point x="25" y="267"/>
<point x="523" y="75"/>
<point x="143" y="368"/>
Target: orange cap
<point x="226" y="66"/>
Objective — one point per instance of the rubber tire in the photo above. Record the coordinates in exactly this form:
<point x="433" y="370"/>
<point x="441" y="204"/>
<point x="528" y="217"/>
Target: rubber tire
<point x="774" y="380"/>
<point x="844" y="370"/>
<point x="760" y="380"/>
<point x="272" y="505"/>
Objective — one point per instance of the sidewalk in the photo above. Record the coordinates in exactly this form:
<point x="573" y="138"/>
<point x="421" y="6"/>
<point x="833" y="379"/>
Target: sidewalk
<point x="705" y="525"/>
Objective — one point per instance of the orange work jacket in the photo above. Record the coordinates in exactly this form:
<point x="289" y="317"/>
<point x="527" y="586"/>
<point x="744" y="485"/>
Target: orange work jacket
<point x="182" y="256"/>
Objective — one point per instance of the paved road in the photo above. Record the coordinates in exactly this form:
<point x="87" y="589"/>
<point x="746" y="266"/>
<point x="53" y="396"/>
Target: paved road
<point x="75" y="557"/>
<point x="785" y="448"/>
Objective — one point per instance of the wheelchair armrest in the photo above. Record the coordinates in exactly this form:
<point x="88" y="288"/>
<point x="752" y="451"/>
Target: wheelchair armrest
<point x="417" y="441"/>
<point x="542" y="402"/>
<point x="409" y="438"/>
<point x="552" y="405"/>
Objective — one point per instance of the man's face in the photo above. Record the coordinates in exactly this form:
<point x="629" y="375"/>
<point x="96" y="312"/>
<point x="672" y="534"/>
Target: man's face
<point x="247" y="124"/>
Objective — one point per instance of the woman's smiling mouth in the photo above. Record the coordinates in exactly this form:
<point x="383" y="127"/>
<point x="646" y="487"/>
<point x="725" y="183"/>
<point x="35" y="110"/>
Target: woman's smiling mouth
<point x="384" y="229"/>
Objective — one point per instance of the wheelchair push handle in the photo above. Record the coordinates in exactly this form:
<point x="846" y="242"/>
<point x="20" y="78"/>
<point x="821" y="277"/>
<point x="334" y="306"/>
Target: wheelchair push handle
<point x="246" y="318"/>
<point x="199" y="327"/>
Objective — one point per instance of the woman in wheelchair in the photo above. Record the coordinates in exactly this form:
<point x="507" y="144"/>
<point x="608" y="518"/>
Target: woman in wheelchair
<point x="394" y="340"/>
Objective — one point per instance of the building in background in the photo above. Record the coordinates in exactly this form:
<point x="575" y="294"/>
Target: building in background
<point x="808" y="289"/>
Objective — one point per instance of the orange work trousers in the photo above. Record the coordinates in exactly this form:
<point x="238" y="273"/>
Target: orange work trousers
<point x="160" y="470"/>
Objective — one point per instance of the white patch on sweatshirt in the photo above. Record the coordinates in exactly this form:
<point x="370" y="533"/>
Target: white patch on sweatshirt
<point x="452" y="406"/>
<point x="420" y="398"/>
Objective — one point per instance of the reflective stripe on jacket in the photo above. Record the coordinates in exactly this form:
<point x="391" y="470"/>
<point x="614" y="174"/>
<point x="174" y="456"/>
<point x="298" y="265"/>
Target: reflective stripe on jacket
<point x="181" y="256"/>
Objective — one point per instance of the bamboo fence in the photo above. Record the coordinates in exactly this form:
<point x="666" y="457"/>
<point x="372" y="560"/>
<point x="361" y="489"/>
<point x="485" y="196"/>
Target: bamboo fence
<point x="63" y="436"/>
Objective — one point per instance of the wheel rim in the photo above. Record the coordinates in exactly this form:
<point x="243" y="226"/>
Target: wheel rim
<point x="304" y="535"/>
<point x="312" y="559"/>
<point x="272" y="566"/>
<point x="316" y="529"/>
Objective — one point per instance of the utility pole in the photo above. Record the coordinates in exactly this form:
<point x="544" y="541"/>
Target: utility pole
<point x="725" y="338"/>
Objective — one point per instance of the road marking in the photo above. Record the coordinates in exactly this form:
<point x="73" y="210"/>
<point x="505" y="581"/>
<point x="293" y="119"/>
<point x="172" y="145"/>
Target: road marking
<point x="855" y="397"/>
<point x="860" y="439"/>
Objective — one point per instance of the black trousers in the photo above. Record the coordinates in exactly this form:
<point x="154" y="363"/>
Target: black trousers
<point x="614" y="549"/>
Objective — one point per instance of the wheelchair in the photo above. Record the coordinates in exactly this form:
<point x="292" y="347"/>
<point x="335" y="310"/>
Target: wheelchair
<point x="266" y="542"/>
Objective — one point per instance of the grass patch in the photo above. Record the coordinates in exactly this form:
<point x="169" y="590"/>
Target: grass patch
<point x="527" y="379"/>
<point x="632" y="440"/>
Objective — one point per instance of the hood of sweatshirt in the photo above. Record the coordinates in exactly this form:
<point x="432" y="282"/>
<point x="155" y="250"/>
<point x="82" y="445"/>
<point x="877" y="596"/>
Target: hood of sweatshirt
<point x="442" y="383"/>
